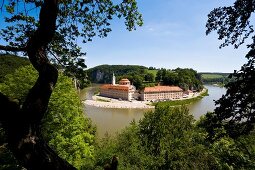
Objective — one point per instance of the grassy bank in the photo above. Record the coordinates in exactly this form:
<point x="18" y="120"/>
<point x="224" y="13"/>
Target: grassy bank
<point x="102" y="100"/>
<point x="184" y="101"/>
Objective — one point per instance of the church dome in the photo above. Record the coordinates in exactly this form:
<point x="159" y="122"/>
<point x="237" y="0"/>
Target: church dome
<point x="124" y="82"/>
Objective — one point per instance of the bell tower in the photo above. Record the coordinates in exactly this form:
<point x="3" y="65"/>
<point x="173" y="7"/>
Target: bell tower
<point x="113" y="79"/>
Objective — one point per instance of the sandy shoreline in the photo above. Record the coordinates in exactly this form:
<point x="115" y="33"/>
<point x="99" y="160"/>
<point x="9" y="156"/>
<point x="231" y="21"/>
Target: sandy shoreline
<point x="114" y="103"/>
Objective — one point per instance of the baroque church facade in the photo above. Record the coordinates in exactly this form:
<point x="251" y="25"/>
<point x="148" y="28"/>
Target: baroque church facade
<point x="124" y="90"/>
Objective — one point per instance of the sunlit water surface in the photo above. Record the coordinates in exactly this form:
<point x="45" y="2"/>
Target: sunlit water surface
<point x="112" y="120"/>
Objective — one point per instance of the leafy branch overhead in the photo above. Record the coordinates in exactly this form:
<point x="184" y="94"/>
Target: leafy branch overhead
<point x="234" y="114"/>
<point x="233" y="23"/>
<point x="77" y="20"/>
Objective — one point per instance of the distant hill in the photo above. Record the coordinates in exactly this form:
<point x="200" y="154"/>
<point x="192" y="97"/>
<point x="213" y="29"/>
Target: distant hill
<point x="141" y="76"/>
<point x="210" y="78"/>
<point x="8" y="63"/>
<point x="103" y="73"/>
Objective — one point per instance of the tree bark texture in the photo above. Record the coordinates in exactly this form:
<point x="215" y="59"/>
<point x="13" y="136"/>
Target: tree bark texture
<point x="23" y="125"/>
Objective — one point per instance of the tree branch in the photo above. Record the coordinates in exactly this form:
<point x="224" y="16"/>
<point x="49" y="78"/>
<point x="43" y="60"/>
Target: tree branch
<point x="38" y="43"/>
<point x="23" y="126"/>
<point x="63" y="66"/>
<point x="13" y="49"/>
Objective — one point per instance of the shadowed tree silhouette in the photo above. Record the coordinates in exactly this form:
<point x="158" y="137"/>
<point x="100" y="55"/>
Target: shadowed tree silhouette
<point x="51" y="33"/>
<point x="234" y="114"/>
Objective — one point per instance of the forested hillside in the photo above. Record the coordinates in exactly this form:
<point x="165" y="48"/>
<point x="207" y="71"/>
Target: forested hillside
<point x="186" y="78"/>
<point x="103" y="73"/>
<point x="210" y="78"/>
<point x="65" y="128"/>
<point x="141" y="76"/>
<point x="9" y="63"/>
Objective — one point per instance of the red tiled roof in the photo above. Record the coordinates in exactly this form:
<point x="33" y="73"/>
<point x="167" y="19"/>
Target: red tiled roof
<point x="162" y="89"/>
<point x="114" y="87"/>
<point x="124" y="80"/>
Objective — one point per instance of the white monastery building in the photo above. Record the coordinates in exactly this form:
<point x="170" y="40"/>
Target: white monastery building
<point x="159" y="93"/>
<point x="124" y="90"/>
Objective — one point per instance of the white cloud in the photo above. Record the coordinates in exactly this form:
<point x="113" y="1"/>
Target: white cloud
<point x="163" y="29"/>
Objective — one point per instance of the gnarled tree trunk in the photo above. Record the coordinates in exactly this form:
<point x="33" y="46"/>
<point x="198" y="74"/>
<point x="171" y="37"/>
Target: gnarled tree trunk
<point x="23" y="125"/>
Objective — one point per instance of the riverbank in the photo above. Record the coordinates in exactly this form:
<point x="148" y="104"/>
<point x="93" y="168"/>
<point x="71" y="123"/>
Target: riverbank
<point x="104" y="102"/>
<point x="185" y="101"/>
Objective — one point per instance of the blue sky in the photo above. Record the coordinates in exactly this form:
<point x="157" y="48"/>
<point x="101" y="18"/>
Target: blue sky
<point x="173" y="35"/>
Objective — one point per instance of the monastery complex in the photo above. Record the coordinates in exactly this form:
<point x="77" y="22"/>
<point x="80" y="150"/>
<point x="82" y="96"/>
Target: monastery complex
<point x="159" y="93"/>
<point x="125" y="91"/>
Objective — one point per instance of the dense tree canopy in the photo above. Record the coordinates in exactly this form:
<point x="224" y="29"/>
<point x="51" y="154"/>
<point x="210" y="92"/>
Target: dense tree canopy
<point x="150" y="77"/>
<point x="103" y="73"/>
<point x="169" y="138"/>
<point x="164" y="139"/>
<point x="185" y="78"/>
<point x="8" y="63"/>
<point x="65" y="128"/>
<point x="46" y="31"/>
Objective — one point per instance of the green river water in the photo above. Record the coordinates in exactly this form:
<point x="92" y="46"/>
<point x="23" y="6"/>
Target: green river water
<point x="112" y="120"/>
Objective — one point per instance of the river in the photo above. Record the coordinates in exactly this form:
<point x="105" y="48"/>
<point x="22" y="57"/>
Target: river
<point x="112" y="120"/>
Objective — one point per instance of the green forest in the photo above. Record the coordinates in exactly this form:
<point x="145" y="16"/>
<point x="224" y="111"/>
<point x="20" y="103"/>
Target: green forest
<point x="42" y="124"/>
<point x="215" y="78"/>
<point x="8" y="63"/>
<point x="141" y="76"/>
